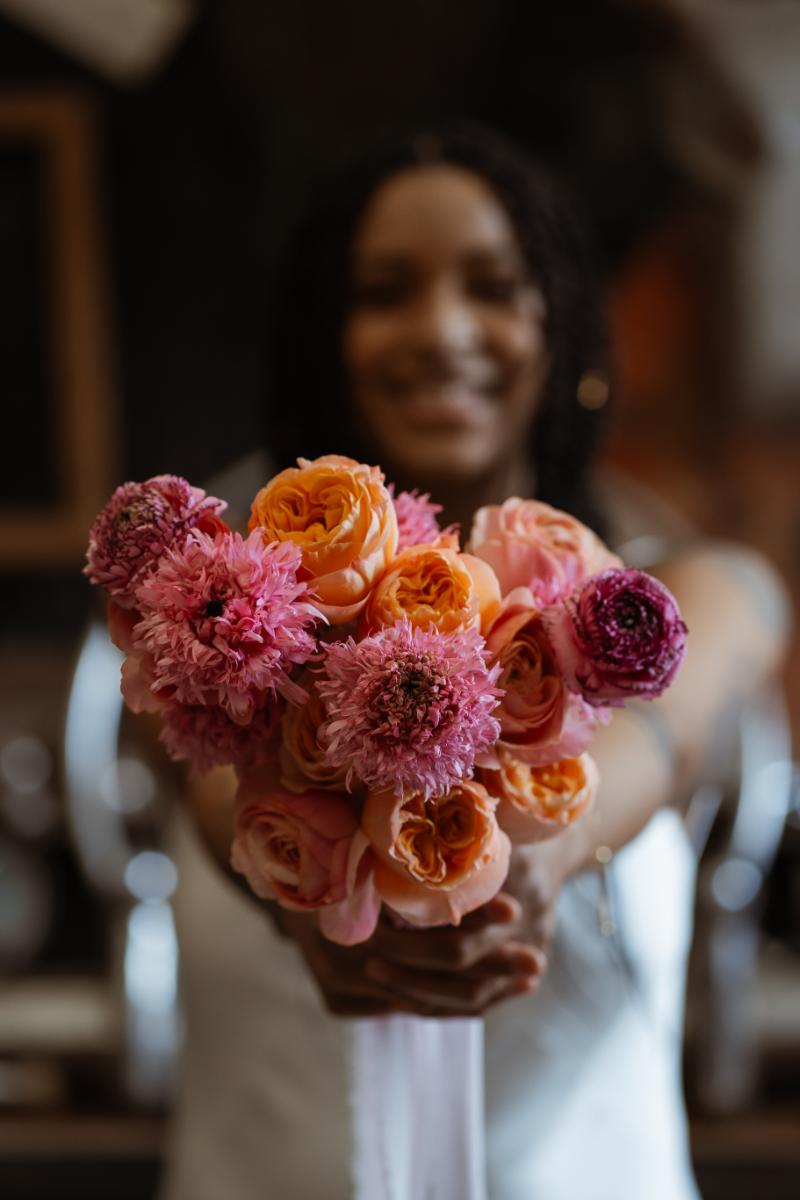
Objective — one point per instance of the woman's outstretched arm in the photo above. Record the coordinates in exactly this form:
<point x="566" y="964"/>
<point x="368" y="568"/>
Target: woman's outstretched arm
<point x="653" y="753"/>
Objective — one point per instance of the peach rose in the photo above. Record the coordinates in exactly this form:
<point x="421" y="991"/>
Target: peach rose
<point x="353" y="919"/>
<point x="529" y="544"/>
<point x="294" y="849"/>
<point x="138" y="684"/>
<point x="436" y="860"/>
<point x="535" y="803"/>
<point x="341" y="516"/>
<point x="434" y="585"/>
<point x="533" y="710"/>
<point x="137" y="677"/>
<point x="303" y="762"/>
<point x="121" y="623"/>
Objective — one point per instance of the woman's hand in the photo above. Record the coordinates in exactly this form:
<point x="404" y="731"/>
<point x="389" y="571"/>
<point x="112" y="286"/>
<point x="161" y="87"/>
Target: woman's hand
<point x="497" y="952"/>
<point x="535" y="878"/>
<point x="448" y="971"/>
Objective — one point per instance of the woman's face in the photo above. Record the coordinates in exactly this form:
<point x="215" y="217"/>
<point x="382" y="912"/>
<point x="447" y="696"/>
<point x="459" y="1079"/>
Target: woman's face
<point x="444" y="343"/>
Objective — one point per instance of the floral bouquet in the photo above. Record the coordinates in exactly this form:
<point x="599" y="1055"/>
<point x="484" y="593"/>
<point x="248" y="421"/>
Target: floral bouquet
<point x="399" y="711"/>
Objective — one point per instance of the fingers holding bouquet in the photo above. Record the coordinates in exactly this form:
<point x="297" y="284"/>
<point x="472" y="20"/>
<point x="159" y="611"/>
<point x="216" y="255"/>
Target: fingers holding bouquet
<point x="459" y="970"/>
<point x="399" y="713"/>
<point x="446" y="971"/>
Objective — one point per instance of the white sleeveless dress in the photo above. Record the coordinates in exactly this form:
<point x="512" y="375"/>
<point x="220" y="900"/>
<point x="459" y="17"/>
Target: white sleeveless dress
<point x="583" y="1087"/>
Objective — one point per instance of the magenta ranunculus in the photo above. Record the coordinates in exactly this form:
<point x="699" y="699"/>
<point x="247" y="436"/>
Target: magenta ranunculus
<point x="618" y="636"/>
<point x="224" y="621"/>
<point x="140" y="522"/>
<point x="408" y="709"/>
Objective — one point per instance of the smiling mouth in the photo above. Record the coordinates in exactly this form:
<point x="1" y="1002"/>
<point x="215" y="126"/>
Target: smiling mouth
<point x="453" y="406"/>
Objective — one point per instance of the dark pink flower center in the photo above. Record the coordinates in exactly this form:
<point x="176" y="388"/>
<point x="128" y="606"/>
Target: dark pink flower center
<point x="413" y="696"/>
<point x="143" y="517"/>
<point x="625" y="623"/>
<point x="146" y="509"/>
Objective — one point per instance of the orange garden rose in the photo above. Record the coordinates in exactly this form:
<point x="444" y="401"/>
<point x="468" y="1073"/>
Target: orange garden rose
<point x="341" y="516"/>
<point x="535" y="803"/>
<point x="434" y="585"/>
<point x="303" y="763"/>
<point x="436" y="860"/>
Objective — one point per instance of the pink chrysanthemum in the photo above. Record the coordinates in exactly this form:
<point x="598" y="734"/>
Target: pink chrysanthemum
<point x="417" y="523"/>
<point x="224" y="621"/>
<point x="140" y="522"/>
<point x="408" y="709"/>
<point x="206" y="737"/>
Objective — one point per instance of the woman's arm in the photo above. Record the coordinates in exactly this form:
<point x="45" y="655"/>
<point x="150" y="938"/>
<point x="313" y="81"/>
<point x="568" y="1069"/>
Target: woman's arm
<point x="652" y="753"/>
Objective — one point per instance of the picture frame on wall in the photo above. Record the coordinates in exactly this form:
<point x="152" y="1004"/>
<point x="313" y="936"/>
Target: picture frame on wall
<point x="58" y="451"/>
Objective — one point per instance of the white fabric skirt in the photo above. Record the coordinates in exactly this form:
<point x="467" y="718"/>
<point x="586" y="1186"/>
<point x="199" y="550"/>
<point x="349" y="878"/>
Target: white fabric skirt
<point x="583" y="1089"/>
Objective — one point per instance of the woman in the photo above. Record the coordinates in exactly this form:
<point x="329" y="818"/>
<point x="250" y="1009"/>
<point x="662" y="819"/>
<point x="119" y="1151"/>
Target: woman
<point x="440" y="315"/>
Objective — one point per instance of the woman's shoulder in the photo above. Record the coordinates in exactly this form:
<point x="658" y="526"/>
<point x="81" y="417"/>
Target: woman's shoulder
<point x="650" y="533"/>
<point x="743" y="570"/>
<point x="744" y="610"/>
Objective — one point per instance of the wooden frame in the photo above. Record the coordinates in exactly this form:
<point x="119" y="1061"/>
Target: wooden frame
<point x="59" y="126"/>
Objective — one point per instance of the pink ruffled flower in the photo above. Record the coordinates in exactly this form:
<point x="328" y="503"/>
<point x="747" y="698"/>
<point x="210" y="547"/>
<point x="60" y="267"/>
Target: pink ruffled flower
<point x="140" y="523"/>
<point x="436" y="860"/>
<point x="530" y="544"/>
<point x="206" y="737"/>
<point x="618" y="636"/>
<point x="407" y="708"/>
<point x="224" y="622"/>
<point x="417" y="523"/>
<point x="308" y="853"/>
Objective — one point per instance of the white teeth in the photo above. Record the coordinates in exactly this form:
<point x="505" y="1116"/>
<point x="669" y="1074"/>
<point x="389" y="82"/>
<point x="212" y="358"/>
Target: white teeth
<point x="446" y="392"/>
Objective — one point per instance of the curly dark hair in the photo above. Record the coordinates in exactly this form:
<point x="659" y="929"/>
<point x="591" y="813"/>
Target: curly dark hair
<point x="308" y="412"/>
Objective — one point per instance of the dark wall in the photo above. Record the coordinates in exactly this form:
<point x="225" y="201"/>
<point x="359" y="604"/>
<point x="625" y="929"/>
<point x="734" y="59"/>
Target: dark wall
<point x="205" y="167"/>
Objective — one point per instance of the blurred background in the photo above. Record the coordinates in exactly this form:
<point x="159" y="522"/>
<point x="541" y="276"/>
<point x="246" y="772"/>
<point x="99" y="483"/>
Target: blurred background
<point x="153" y="155"/>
